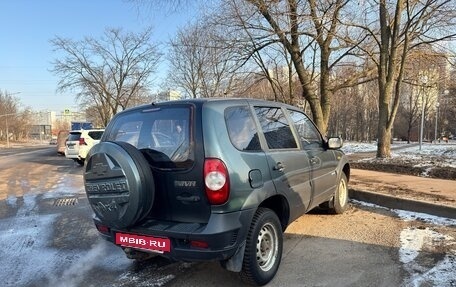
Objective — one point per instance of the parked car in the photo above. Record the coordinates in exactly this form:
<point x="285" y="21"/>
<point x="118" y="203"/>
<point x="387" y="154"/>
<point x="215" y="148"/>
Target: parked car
<point x="61" y="141"/>
<point x="53" y="141"/>
<point x="80" y="142"/>
<point x="212" y="179"/>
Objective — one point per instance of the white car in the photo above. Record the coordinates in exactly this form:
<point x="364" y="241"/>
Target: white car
<point x="80" y="142"/>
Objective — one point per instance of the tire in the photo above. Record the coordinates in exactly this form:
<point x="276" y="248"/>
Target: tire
<point x="80" y="162"/>
<point x="263" y="250"/>
<point x="340" y="200"/>
<point x="118" y="183"/>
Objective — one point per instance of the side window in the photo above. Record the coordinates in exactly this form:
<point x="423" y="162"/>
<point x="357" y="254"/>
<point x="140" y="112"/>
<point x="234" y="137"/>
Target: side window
<point x="241" y="129"/>
<point x="308" y="133"/>
<point x="96" y="135"/>
<point x="275" y="127"/>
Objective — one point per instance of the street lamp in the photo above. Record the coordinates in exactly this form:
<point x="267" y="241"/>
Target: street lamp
<point x="437" y="105"/>
<point x="424" y="82"/>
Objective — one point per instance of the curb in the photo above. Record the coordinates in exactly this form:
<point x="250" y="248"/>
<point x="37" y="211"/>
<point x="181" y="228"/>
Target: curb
<point x="403" y="204"/>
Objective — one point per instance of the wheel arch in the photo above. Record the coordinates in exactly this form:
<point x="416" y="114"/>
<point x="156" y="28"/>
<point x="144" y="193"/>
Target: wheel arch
<point x="280" y="206"/>
<point x="346" y="170"/>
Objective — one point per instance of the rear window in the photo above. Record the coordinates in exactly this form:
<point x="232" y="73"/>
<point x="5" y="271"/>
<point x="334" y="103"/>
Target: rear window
<point x="241" y="128"/>
<point x="162" y="134"/>
<point x="74" y="136"/>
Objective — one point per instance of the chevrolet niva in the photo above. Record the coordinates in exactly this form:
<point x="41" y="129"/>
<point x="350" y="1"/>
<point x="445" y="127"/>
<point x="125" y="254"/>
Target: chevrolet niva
<point x="212" y="179"/>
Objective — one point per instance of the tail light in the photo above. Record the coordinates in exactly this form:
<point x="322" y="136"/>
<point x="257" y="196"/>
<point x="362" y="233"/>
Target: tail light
<point x="216" y="181"/>
<point x="199" y="244"/>
<point x="102" y="228"/>
<point x="82" y="141"/>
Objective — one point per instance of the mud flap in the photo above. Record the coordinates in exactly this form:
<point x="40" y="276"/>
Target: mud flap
<point x="234" y="264"/>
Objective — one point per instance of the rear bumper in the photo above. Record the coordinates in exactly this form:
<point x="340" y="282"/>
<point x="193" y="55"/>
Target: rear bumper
<point x="223" y="234"/>
<point x="77" y="153"/>
<point x="71" y="153"/>
<point x="72" y="156"/>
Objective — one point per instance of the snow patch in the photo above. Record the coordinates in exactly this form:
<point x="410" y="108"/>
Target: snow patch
<point x="413" y="239"/>
<point x="23" y="246"/>
<point x="413" y="242"/>
<point x="64" y="187"/>
<point x="424" y="217"/>
<point x="11" y="201"/>
<point x="435" y="154"/>
<point x="356" y="147"/>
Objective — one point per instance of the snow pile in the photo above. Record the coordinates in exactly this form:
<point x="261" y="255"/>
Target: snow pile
<point x="430" y="155"/>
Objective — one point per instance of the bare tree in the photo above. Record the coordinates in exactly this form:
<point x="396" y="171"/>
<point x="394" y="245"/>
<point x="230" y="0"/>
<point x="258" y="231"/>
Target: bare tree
<point x="186" y="60"/>
<point x="320" y="36"/>
<point x="404" y="25"/>
<point x="109" y="72"/>
<point x="308" y="31"/>
<point x="199" y="62"/>
<point x="354" y="113"/>
<point x="8" y="114"/>
<point x="14" y="123"/>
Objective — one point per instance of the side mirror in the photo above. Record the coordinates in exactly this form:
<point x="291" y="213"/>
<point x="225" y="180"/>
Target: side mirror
<point x="335" y="143"/>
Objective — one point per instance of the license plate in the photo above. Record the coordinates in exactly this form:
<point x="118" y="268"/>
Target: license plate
<point x="156" y="244"/>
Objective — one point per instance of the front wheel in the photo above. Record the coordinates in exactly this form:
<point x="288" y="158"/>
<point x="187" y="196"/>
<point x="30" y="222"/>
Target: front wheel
<point x="263" y="250"/>
<point x="340" y="200"/>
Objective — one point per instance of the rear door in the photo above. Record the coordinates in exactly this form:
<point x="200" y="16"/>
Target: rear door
<point x="289" y="166"/>
<point x="72" y="144"/>
<point x="167" y="136"/>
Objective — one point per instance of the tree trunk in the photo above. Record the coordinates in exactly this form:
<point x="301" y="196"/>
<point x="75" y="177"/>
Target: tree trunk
<point x="384" y="137"/>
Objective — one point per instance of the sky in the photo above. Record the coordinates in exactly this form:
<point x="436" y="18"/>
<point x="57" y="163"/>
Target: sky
<point x="27" y="26"/>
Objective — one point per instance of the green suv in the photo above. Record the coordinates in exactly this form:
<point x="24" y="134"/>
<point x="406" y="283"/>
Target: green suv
<point x="212" y="179"/>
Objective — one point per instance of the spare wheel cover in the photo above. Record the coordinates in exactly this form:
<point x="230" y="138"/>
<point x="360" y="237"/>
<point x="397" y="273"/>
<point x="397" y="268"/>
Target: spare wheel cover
<point x="119" y="183"/>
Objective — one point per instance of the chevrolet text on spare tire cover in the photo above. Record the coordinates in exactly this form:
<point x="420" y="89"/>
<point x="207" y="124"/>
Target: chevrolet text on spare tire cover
<point x="212" y="180"/>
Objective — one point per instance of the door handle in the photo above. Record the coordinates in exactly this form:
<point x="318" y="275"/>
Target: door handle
<point x="279" y="167"/>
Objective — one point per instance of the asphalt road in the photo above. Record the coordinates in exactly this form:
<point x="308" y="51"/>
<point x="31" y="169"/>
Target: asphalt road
<point x="47" y="239"/>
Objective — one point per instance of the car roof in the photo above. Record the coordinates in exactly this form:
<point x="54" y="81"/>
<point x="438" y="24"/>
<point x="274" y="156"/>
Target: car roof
<point x="91" y="130"/>
<point x="202" y="101"/>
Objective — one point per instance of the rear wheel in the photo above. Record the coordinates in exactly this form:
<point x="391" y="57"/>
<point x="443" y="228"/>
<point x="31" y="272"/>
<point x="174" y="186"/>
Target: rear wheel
<point x="263" y="251"/>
